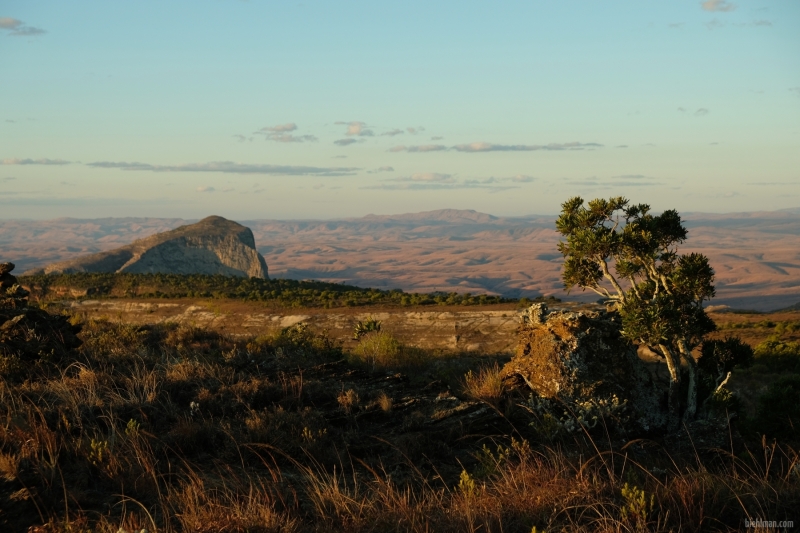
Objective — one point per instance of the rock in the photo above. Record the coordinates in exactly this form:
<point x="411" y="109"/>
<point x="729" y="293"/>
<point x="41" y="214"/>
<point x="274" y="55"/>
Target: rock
<point x="580" y="357"/>
<point x="28" y="333"/>
<point x="212" y="246"/>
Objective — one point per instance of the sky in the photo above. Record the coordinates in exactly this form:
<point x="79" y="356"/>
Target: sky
<point x="288" y="110"/>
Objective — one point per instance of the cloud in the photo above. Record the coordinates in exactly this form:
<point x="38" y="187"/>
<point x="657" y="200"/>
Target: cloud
<point x="7" y="179"/>
<point x="761" y="23"/>
<point x="17" y="28"/>
<point x="676" y="25"/>
<point x="437" y="138"/>
<point x="205" y="188"/>
<point x="393" y="132"/>
<point x="698" y="113"/>
<point x="281" y="128"/>
<point x="345" y="142"/>
<point x="624" y="180"/>
<point x="282" y="134"/>
<point x="795" y="90"/>
<point x="426" y="181"/>
<point x="423" y="148"/>
<point x="622" y="146"/>
<point x="489" y="147"/>
<point x="427" y="177"/>
<point x="717" y="5"/>
<point x="414" y="131"/>
<point x="242" y="138"/>
<point x="356" y="128"/>
<point x="44" y="161"/>
<point x="381" y="169"/>
<point x="229" y="167"/>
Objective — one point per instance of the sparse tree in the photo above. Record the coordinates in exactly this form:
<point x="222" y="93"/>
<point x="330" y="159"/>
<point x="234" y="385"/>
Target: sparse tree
<point x="658" y="293"/>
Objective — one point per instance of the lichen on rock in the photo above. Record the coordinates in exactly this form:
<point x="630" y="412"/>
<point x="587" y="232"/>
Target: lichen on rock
<point x="577" y="357"/>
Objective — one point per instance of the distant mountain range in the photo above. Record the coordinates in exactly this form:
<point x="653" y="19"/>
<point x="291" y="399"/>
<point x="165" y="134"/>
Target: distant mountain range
<point x="756" y="256"/>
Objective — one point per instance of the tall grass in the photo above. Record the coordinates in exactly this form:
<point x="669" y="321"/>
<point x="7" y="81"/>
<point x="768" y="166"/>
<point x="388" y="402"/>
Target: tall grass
<point x="179" y="430"/>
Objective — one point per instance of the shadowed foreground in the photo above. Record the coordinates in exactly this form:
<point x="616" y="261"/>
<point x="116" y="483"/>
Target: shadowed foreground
<point x="173" y="428"/>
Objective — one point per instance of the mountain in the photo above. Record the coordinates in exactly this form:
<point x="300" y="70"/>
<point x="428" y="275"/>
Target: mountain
<point x="212" y="246"/>
<point x="756" y="256"/>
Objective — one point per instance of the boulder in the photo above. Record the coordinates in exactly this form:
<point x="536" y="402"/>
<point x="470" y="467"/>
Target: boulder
<point x="581" y="360"/>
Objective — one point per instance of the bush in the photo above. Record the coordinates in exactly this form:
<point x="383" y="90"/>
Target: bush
<point x="778" y="413"/>
<point x="381" y="349"/>
<point x="778" y="356"/>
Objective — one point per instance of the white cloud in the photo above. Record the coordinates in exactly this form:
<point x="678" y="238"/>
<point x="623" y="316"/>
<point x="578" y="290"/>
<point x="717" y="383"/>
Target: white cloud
<point x="356" y="128"/>
<point x="230" y="167"/>
<point x="393" y="132"/>
<point x="282" y="134"/>
<point x="717" y="5"/>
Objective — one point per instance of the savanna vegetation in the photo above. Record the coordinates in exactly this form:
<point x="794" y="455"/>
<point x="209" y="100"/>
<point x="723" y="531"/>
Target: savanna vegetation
<point x="173" y="428"/>
<point x="274" y="292"/>
<point x="108" y="427"/>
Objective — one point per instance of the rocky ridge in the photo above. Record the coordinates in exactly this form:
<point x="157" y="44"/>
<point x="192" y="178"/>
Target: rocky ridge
<point x="212" y="246"/>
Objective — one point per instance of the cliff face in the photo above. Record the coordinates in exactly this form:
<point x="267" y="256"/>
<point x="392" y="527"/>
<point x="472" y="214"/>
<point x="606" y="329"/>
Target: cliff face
<point x="212" y="246"/>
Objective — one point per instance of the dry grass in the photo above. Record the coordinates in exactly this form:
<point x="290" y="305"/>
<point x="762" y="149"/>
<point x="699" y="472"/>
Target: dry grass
<point x="486" y="384"/>
<point x="183" y="431"/>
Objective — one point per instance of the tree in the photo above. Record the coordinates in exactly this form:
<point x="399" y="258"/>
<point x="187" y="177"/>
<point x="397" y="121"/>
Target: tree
<point x="658" y="293"/>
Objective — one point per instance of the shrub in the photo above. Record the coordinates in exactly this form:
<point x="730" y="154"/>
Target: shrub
<point x="381" y="349"/>
<point x="778" y="356"/>
<point x="778" y="412"/>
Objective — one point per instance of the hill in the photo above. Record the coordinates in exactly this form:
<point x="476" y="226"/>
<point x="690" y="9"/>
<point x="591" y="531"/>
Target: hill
<point x="212" y="246"/>
<point x="756" y="256"/>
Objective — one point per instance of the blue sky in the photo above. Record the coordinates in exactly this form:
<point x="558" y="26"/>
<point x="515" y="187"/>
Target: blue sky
<point x="334" y="109"/>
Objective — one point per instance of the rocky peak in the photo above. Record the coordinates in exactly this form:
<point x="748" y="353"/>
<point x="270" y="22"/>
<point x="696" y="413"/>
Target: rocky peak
<point x="213" y="245"/>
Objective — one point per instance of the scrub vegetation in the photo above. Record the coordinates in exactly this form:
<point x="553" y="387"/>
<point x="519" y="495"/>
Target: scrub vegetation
<point x="275" y="292"/>
<point x="174" y="428"/>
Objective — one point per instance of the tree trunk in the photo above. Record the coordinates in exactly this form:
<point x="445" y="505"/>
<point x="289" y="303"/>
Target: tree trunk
<point x="691" y="395"/>
<point x="673" y="396"/>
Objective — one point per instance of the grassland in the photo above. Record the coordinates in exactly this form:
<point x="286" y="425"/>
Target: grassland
<point x="174" y="428"/>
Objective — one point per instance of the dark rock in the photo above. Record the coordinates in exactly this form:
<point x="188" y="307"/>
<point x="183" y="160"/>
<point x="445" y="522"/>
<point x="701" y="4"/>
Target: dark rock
<point x="27" y="333"/>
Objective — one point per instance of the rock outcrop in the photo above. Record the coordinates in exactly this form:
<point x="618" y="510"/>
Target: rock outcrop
<point x="212" y="246"/>
<point x="28" y="333"/>
<point x="581" y="360"/>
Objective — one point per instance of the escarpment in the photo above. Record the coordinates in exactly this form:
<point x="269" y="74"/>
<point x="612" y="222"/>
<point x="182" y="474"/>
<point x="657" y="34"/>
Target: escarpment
<point x="212" y="246"/>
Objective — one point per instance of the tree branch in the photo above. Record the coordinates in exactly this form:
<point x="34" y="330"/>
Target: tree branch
<point x="612" y="279"/>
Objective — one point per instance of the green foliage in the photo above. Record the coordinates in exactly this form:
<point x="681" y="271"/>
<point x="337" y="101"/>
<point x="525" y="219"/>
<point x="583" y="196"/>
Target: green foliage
<point x="277" y="292"/>
<point x="636" y="507"/>
<point x="717" y="358"/>
<point x="367" y="326"/>
<point x="663" y="301"/>
<point x="777" y="356"/>
<point x="658" y="293"/>
<point x="721" y="356"/>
